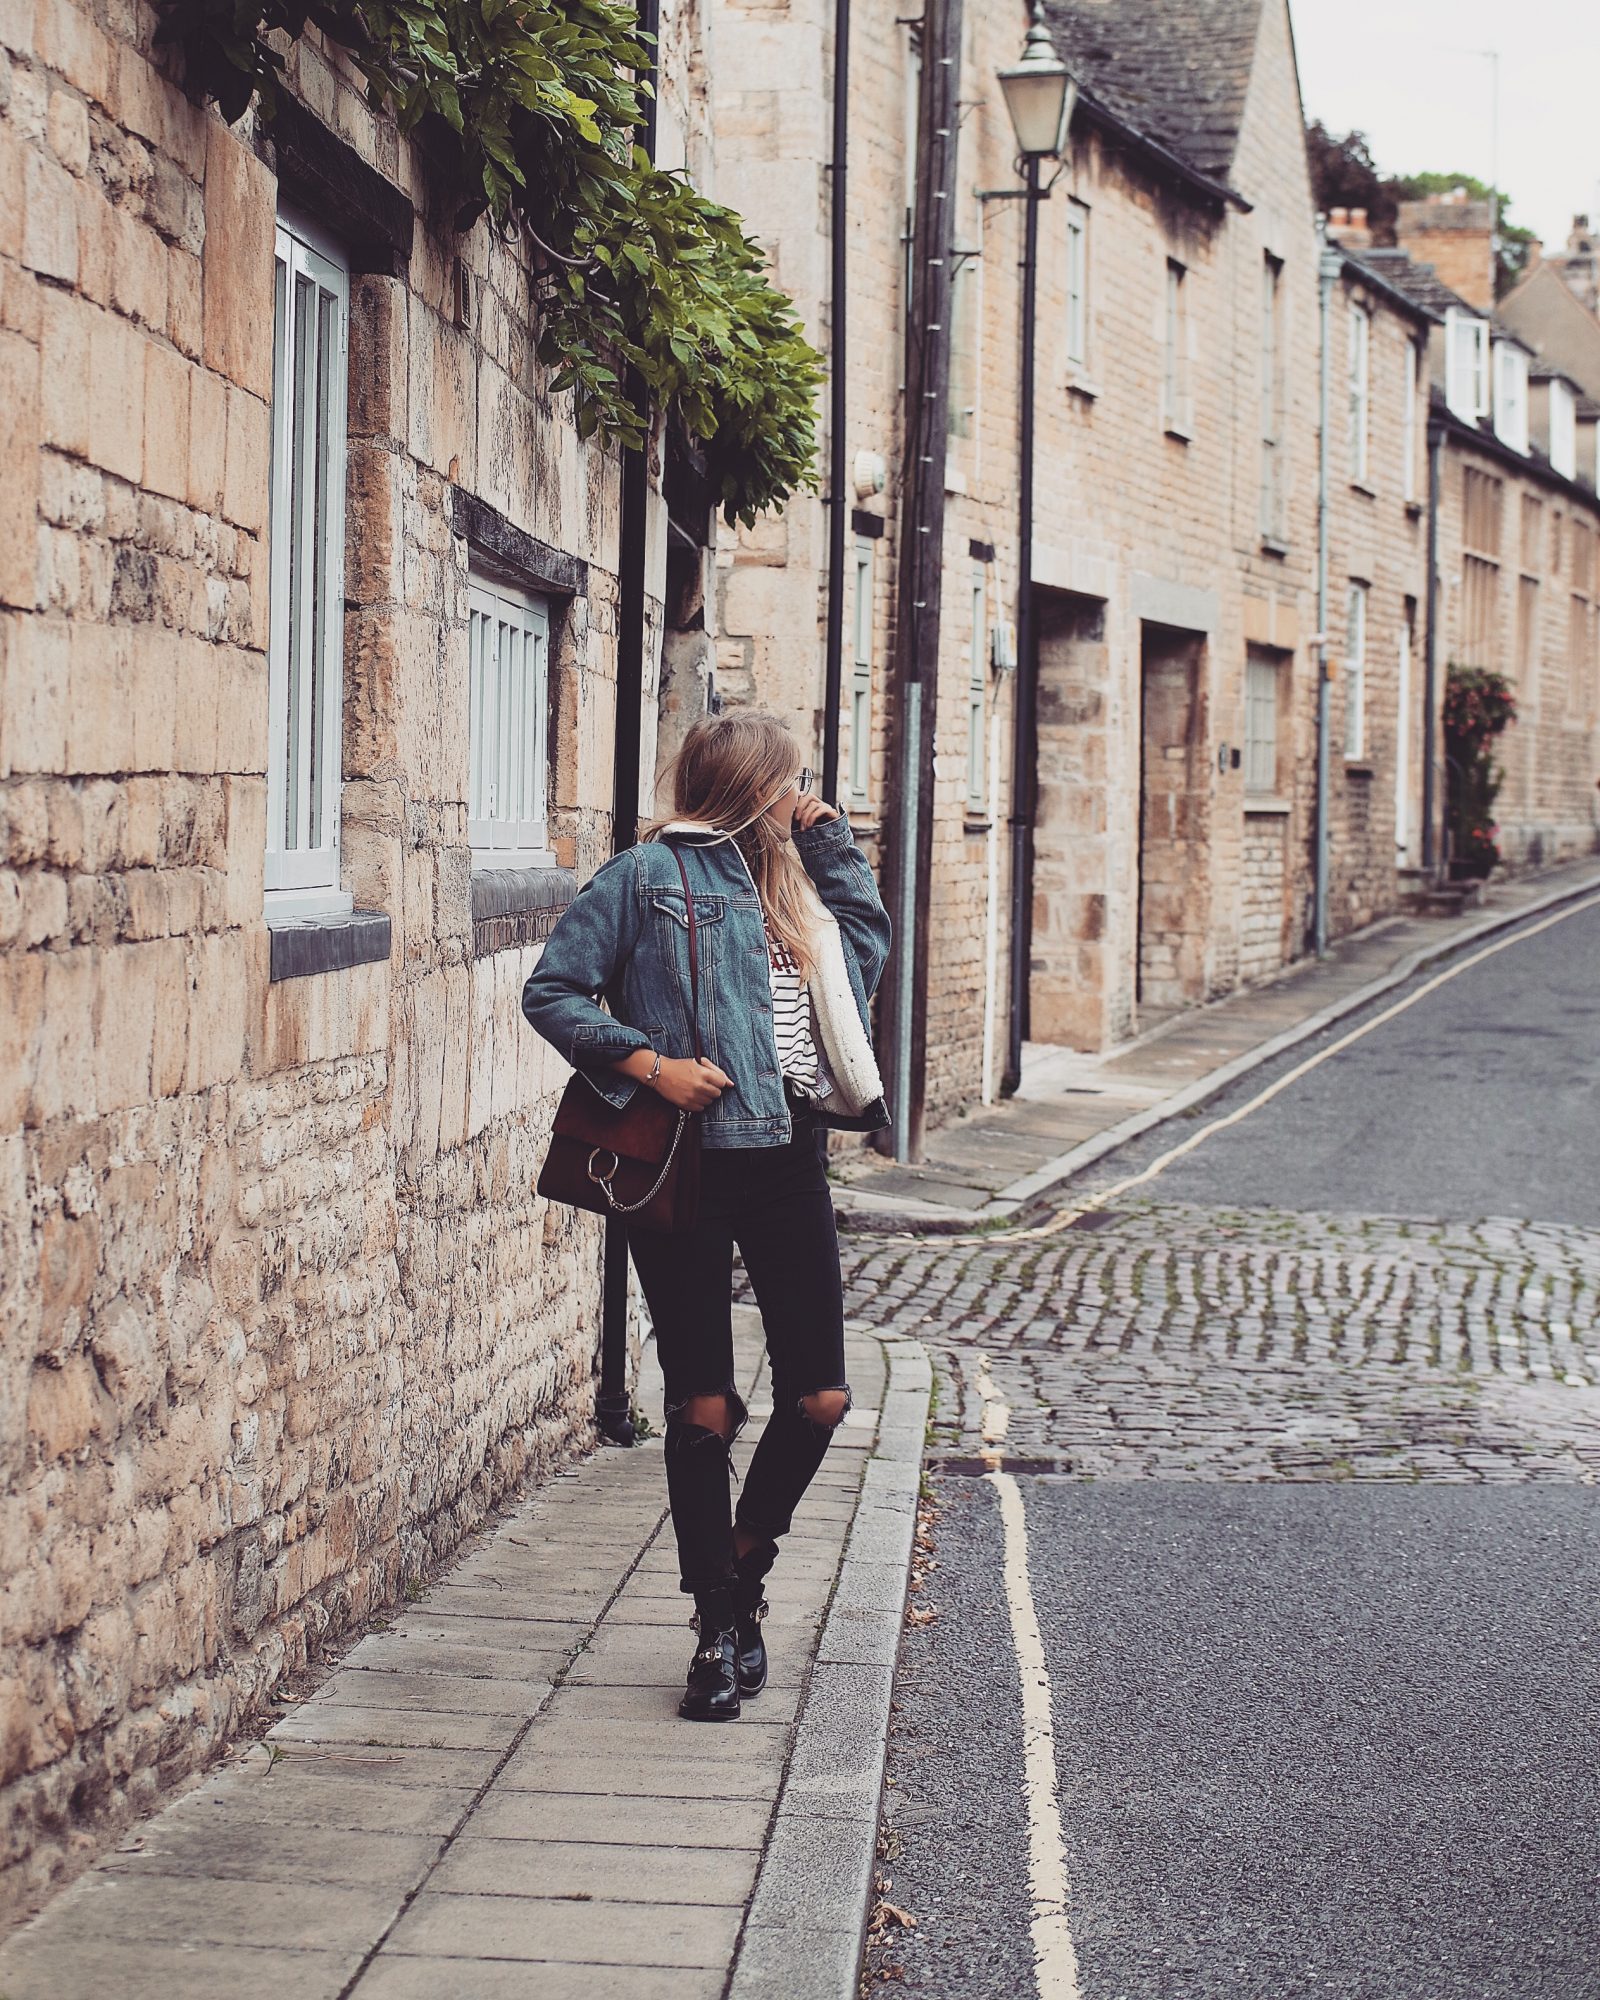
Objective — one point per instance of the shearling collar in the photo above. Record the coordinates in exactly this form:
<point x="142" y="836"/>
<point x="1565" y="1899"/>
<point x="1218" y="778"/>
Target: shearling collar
<point x="695" y="829"/>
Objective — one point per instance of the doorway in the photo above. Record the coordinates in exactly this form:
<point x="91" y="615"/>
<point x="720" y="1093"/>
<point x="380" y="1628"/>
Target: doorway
<point x="1174" y="892"/>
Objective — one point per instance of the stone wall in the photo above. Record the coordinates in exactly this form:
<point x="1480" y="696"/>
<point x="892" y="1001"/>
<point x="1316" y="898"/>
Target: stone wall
<point x="1264" y="915"/>
<point x="1377" y="539"/>
<point x="282" y="1314"/>
<point x="1544" y="634"/>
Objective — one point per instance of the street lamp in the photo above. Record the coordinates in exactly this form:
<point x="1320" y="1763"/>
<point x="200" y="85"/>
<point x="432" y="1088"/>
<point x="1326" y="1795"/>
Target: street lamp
<point x="1041" y="94"/>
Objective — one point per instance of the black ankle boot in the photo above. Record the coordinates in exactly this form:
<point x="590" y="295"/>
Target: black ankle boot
<point x="750" y="1606"/>
<point x="713" y="1691"/>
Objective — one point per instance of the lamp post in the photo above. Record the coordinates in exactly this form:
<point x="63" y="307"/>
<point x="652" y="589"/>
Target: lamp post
<point x="1040" y="95"/>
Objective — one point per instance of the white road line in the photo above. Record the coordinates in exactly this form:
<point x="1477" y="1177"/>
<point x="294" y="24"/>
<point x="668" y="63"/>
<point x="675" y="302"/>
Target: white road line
<point x="996" y="1413"/>
<point x="1055" y="1962"/>
<point x="1067" y="1216"/>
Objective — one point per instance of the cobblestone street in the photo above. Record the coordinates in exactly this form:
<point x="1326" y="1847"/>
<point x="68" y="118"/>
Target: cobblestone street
<point x="1172" y="1341"/>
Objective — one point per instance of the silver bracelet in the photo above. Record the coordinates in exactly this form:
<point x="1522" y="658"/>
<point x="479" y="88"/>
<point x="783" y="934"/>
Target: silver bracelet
<point x="656" y="1071"/>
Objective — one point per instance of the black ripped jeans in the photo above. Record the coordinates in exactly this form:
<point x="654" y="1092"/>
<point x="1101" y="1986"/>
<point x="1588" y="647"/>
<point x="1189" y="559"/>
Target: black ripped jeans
<point x="773" y="1202"/>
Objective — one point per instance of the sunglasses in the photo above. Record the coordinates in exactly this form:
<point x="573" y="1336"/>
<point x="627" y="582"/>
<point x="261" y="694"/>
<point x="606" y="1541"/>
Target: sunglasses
<point x="804" y="782"/>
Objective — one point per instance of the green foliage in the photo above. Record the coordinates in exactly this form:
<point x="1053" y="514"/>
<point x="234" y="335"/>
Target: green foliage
<point x="530" y="106"/>
<point x="1478" y="706"/>
<point x="1344" y="174"/>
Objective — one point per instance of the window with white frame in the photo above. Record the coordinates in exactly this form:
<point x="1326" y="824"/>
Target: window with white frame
<point x="1408" y="437"/>
<point x="305" y="654"/>
<point x="1274" y="524"/>
<point x="977" y="692"/>
<point x="1563" y="429"/>
<point x="1466" y="369"/>
<point x="1077" y="285"/>
<point x="1261" y="725"/>
<point x="860" y="774"/>
<point x="1359" y="383"/>
<point x="508" y="695"/>
<point x="1511" y="394"/>
<point x="1355" y="673"/>
<point x="1176" y="413"/>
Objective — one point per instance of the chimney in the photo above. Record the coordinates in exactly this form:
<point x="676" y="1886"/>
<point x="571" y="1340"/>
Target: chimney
<point x="1455" y="235"/>
<point x="1349" y="229"/>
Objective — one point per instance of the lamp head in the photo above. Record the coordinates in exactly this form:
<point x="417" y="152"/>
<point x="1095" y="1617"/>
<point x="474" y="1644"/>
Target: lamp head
<point x="1040" y="93"/>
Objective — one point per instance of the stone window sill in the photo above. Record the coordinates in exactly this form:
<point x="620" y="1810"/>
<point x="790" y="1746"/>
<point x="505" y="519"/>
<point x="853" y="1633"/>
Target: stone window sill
<point x="1361" y="486"/>
<point x="512" y="907"/>
<point x="1357" y="767"/>
<point x="976" y="823"/>
<point x="1272" y="546"/>
<point x="1413" y="510"/>
<point x="1181" y="432"/>
<point x="1263" y="805"/>
<point x="1080" y="385"/>
<point x="305" y="945"/>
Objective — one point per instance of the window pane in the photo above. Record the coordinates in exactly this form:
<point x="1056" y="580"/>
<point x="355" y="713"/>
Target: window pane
<point x="324" y="585"/>
<point x="302" y="558"/>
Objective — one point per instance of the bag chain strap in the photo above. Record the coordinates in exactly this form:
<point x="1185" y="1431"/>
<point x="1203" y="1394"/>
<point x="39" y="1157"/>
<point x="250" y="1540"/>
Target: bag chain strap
<point x="603" y="1181"/>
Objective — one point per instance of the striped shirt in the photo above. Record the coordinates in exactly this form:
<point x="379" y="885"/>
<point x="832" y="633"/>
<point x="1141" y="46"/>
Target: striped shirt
<point x="791" y="1015"/>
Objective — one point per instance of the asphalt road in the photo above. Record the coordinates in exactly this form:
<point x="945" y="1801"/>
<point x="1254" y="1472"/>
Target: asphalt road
<point x="1483" y="1099"/>
<point x="1336" y="1737"/>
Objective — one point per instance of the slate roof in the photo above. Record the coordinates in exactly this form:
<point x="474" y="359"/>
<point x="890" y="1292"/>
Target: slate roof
<point x="1173" y="70"/>
<point x="1419" y="282"/>
<point x="1381" y="278"/>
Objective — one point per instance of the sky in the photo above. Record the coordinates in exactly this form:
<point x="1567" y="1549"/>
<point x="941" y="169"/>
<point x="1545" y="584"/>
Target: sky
<point x="1411" y="75"/>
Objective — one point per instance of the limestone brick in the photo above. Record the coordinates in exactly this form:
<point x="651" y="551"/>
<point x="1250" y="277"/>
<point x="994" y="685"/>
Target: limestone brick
<point x="19" y="468"/>
<point x="13" y="199"/>
<point x="166" y="421"/>
<point x="248" y="460"/>
<point x="240" y="213"/>
<point x="50" y="224"/>
<point x="116" y="396"/>
<point x="207" y="434"/>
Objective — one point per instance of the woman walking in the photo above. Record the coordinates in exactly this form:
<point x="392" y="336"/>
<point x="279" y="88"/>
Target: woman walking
<point x="791" y="939"/>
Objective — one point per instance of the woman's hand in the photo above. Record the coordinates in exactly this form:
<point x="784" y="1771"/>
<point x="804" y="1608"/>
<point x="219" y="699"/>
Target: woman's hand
<point x="810" y="811"/>
<point x="691" y="1083"/>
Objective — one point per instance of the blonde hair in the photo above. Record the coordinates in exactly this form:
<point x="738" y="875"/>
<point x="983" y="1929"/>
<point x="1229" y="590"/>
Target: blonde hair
<point x="730" y="769"/>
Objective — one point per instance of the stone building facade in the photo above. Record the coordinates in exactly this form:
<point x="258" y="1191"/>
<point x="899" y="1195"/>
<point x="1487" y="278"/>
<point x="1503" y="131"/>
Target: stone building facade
<point x="1174" y="523"/>
<point x="1377" y="498"/>
<point x="286" y="805"/>
<point x="1518" y="586"/>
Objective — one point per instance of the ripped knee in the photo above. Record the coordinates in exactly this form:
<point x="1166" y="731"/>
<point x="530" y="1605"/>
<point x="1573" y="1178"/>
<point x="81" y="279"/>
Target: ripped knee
<point x="826" y="1407"/>
<point x="709" y="1413"/>
<point x="720" y="1414"/>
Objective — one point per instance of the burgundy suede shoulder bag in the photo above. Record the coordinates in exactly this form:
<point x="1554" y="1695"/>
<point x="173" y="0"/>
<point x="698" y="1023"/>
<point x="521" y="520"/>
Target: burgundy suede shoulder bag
<point x="641" y="1163"/>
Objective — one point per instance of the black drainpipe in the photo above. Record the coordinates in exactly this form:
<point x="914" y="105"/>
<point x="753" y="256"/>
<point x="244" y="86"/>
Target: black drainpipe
<point x="839" y="224"/>
<point x="613" y="1403"/>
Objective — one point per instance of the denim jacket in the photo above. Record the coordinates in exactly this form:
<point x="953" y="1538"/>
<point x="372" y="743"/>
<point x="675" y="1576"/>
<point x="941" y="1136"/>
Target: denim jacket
<point x="626" y="938"/>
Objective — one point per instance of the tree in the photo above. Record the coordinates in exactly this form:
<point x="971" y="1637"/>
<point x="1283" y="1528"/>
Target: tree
<point x="1345" y="175"/>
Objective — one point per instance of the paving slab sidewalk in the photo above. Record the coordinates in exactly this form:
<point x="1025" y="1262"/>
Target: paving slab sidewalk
<point x="493" y="1795"/>
<point x="1004" y="1159"/>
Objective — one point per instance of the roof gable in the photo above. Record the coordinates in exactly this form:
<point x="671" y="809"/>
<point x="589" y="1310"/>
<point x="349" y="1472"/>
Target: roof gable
<point x="1178" y="70"/>
<point x="1545" y="311"/>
